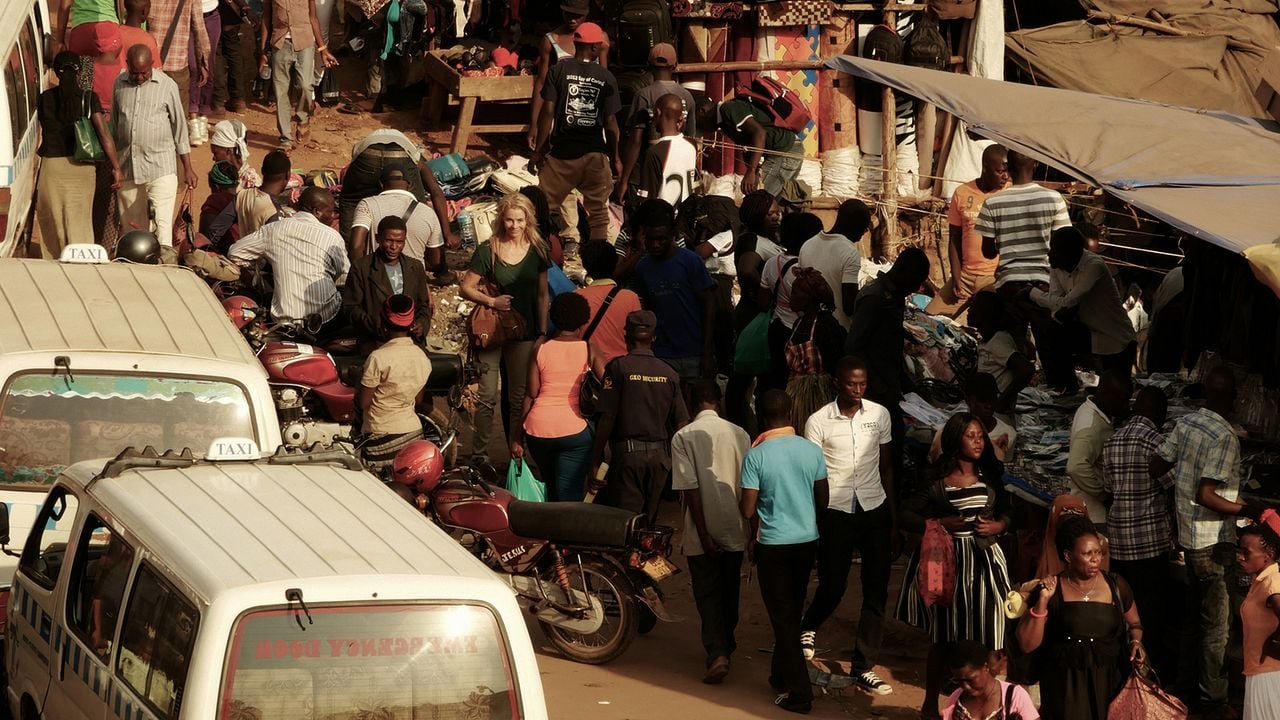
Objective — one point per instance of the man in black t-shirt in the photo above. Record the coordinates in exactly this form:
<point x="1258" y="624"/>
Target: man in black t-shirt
<point x="578" y="135"/>
<point x="751" y="128"/>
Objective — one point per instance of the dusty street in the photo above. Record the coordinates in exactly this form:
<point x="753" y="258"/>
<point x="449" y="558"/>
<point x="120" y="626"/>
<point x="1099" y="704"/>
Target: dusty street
<point x="660" y="676"/>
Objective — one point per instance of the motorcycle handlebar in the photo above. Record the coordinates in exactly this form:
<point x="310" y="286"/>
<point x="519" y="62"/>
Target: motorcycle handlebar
<point x="473" y="478"/>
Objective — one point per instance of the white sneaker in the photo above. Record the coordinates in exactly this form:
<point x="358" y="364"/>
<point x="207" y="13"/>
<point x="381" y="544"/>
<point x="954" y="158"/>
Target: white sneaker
<point x="193" y="131"/>
<point x="808" y="641"/>
<point x="872" y="683"/>
<point x="204" y="129"/>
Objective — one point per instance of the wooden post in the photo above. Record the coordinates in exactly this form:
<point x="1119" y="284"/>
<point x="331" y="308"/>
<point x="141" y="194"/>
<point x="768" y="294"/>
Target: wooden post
<point x="889" y="151"/>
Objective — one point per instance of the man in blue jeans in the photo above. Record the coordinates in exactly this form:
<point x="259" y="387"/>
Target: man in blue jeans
<point x="854" y="434"/>
<point x="1204" y="455"/>
<point x="784" y="482"/>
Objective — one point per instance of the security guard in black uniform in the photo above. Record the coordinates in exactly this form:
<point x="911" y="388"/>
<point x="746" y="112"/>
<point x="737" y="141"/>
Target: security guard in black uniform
<point x="640" y="409"/>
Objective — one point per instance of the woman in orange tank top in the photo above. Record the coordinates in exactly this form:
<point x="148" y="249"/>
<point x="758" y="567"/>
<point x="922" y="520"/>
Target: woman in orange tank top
<point x="557" y="436"/>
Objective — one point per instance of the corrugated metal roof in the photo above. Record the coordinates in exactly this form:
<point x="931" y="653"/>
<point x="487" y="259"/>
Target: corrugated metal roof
<point x="227" y="525"/>
<point x="51" y="306"/>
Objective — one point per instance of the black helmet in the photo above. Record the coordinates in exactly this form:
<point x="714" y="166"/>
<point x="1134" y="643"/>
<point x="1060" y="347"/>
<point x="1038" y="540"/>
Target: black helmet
<point x="139" y="246"/>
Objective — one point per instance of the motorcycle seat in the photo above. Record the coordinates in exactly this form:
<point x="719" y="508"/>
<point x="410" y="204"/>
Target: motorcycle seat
<point x="574" y="523"/>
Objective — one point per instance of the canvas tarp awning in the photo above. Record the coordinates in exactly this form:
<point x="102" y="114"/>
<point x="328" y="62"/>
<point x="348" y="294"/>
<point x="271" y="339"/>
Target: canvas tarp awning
<point x="1215" y="176"/>
<point x="1199" y="55"/>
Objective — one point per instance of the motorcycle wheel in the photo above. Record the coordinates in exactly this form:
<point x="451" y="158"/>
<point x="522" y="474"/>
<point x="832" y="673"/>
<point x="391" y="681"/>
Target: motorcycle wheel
<point x="610" y="585"/>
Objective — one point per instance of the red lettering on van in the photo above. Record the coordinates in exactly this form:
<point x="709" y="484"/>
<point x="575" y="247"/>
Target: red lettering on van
<point x="402" y="646"/>
<point x="262" y="651"/>
<point x="368" y="647"/>
<point x="313" y="648"/>
<point x="335" y="648"/>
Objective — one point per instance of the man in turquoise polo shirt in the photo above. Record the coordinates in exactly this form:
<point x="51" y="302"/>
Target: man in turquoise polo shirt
<point x="784" y="482"/>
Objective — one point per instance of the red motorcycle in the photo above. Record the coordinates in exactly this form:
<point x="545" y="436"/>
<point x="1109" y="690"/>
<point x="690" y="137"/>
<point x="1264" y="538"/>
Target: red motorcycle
<point x="589" y="573"/>
<point x="314" y="385"/>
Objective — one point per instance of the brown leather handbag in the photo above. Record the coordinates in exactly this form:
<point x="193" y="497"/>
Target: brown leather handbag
<point x="1142" y="698"/>
<point x="491" y="329"/>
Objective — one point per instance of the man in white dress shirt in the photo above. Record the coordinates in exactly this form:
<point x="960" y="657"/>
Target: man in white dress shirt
<point x="861" y="514"/>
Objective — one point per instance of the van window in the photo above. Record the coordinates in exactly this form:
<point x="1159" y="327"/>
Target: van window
<point x="15" y="84"/>
<point x="46" y="546"/>
<point x="435" y="661"/>
<point x="30" y="61"/>
<point x="50" y="421"/>
<point x="98" y="577"/>
<point x="155" y="642"/>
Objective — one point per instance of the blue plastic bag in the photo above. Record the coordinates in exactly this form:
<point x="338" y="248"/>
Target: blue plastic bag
<point x="522" y="483"/>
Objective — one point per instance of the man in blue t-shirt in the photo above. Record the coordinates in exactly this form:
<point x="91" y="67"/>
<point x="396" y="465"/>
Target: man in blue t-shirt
<point x="784" y="482"/>
<point x="673" y="282"/>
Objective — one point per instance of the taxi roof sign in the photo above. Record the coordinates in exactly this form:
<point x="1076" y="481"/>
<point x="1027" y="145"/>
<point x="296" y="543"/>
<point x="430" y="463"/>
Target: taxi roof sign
<point x="233" y="448"/>
<point x="85" y="254"/>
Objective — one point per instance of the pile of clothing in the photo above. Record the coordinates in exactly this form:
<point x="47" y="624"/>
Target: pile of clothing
<point x="937" y="348"/>
<point x="1038" y="471"/>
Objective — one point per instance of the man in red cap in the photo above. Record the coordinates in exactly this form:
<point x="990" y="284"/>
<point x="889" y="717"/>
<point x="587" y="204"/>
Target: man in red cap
<point x="556" y="47"/>
<point x="392" y="385"/>
<point x="578" y="135"/>
<point x="641" y="131"/>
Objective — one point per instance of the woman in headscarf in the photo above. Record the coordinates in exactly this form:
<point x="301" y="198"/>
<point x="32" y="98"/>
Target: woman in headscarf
<point x="1064" y="506"/>
<point x="229" y="142"/>
<point x="218" y="214"/>
<point x="60" y="192"/>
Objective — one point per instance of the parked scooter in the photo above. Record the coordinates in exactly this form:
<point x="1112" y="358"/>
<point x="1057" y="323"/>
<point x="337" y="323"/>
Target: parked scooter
<point x="314" y="386"/>
<point x="589" y="573"/>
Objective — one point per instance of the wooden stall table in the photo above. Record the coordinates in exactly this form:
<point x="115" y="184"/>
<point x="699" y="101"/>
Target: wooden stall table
<point x="447" y="85"/>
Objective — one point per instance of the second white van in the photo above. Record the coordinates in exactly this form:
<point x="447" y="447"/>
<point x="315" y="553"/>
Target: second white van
<point x="285" y="588"/>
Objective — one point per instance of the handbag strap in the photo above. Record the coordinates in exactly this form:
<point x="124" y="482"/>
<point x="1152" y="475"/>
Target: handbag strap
<point x="173" y="28"/>
<point x="1008" y="699"/>
<point x="604" y="307"/>
<point x="413" y="205"/>
<point x="782" y="274"/>
<point x="84" y="103"/>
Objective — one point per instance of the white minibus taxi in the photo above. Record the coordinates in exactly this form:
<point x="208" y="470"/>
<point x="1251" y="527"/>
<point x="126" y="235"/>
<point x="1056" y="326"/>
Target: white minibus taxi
<point x="282" y="588"/>
<point x="96" y="356"/>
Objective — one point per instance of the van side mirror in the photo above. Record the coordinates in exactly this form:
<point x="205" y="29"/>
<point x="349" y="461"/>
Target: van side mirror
<point x="4" y="524"/>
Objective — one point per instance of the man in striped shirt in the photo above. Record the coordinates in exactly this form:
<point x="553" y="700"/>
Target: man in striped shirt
<point x="1015" y="224"/>
<point x="307" y="257"/>
<point x="150" y="127"/>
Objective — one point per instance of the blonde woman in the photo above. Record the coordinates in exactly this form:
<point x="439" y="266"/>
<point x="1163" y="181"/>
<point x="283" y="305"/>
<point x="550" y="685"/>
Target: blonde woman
<point x="515" y="260"/>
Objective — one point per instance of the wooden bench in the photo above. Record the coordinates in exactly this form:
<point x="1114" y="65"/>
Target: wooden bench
<point x="448" y="86"/>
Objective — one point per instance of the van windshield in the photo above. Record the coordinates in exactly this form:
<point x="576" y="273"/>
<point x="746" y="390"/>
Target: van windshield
<point x="369" y="661"/>
<point x="49" y="421"/>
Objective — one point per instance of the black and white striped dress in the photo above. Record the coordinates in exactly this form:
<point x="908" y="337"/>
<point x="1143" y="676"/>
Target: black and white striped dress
<point x="982" y="581"/>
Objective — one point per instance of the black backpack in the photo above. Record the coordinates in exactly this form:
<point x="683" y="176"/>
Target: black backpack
<point x="641" y="25"/>
<point x="882" y="43"/>
<point x="925" y="47"/>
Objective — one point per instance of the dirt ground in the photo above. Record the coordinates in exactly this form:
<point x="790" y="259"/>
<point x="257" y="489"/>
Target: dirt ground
<point x="660" y="676"/>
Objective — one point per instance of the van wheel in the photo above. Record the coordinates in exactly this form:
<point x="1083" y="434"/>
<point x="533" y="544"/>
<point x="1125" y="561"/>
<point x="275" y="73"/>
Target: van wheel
<point x="29" y="711"/>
